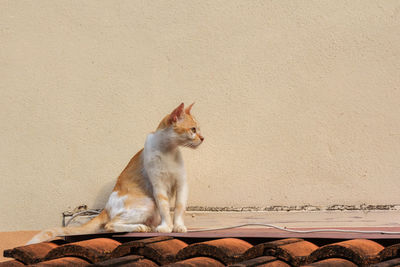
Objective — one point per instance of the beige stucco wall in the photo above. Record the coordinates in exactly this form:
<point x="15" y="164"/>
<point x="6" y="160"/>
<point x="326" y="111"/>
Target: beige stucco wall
<point x="299" y="101"/>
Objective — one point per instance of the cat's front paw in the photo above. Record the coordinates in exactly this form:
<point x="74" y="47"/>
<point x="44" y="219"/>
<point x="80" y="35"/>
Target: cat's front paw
<point x="163" y="228"/>
<point x="180" y="228"/>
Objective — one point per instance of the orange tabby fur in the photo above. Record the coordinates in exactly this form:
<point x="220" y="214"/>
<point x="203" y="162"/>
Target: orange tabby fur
<point x="140" y="199"/>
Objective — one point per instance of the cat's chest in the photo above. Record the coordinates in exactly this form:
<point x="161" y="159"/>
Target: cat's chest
<point x="162" y="164"/>
<point x="161" y="161"/>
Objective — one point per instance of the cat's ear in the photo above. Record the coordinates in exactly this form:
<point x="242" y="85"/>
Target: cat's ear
<point x="177" y="114"/>
<point x="187" y="110"/>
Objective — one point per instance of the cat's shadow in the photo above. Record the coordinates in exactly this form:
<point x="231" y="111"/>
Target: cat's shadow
<point x="103" y="195"/>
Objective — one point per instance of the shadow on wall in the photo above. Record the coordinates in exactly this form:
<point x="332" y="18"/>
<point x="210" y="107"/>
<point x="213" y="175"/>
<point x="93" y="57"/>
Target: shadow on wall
<point x="102" y="197"/>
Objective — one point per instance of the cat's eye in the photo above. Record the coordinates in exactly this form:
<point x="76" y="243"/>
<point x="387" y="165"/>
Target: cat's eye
<point x="193" y="130"/>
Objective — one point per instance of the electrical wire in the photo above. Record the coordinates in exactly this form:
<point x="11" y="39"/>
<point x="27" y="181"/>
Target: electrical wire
<point x="81" y="213"/>
<point x="96" y="212"/>
<point x="296" y="231"/>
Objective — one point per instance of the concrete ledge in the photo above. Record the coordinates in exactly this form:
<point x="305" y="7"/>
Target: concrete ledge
<point x="293" y="219"/>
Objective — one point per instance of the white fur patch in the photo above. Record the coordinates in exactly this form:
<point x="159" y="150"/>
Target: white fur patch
<point x="140" y="212"/>
<point x="115" y="205"/>
<point x="159" y="161"/>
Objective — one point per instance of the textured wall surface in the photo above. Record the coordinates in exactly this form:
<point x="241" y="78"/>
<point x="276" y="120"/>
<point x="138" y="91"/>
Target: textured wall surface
<point x="299" y="101"/>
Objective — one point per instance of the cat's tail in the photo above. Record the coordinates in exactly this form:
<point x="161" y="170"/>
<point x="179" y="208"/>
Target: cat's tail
<point x="93" y="226"/>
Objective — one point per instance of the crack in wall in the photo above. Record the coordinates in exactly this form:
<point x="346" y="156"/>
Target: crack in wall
<point x="82" y="214"/>
<point x="337" y="207"/>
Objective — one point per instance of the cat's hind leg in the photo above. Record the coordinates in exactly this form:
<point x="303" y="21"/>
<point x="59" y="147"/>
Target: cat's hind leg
<point x="123" y="224"/>
<point x="127" y="227"/>
<point x="136" y="216"/>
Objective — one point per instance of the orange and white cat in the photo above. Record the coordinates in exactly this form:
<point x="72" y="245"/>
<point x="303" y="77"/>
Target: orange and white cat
<point x="140" y="199"/>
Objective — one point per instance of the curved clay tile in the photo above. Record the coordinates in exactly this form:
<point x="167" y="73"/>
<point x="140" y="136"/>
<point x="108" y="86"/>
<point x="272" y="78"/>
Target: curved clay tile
<point x="294" y="251"/>
<point x="226" y="250"/>
<point x="94" y="250"/>
<point x="162" y="252"/>
<point x="360" y="251"/>
<point x="131" y="261"/>
<point x="125" y="248"/>
<point x="390" y="252"/>
<point x="261" y="249"/>
<point x="265" y="261"/>
<point x="197" y="262"/>
<point x="389" y="263"/>
<point x="31" y="254"/>
<point x="334" y="262"/>
<point x="67" y="261"/>
<point x="11" y="263"/>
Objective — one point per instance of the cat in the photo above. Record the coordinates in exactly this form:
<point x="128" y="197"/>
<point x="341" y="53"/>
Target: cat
<point x="139" y="201"/>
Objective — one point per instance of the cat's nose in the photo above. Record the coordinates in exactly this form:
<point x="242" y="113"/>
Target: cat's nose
<point x="201" y="138"/>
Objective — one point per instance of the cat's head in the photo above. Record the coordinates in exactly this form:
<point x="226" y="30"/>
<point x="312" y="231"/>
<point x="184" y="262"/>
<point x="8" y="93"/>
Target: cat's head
<point x="185" y="129"/>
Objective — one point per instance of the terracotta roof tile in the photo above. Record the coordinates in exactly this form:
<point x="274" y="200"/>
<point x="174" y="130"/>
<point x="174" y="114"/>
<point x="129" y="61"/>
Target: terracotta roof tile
<point x="164" y="250"/>
<point x="334" y="262"/>
<point x="197" y="262"/>
<point x="359" y="251"/>
<point x="264" y="261"/>
<point x="130" y="260"/>
<point x="12" y="263"/>
<point x="161" y="250"/>
<point x="61" y="262"/>
<point x="259" y="249"/>
<point x="125" y="248"/>
<point x="31" y="253"/>
<point x="94" y="250"/>
<point x="226" y="250"/>
<point x="389" y="263"/>
<point x="390" y="252"/>
<point x="294" y="251"/>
